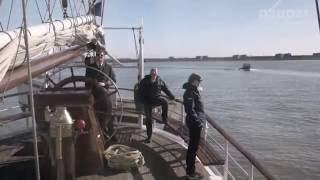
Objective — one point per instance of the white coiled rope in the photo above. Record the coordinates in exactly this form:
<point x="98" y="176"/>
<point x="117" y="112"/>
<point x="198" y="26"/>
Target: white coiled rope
<point x="123" y="157"/>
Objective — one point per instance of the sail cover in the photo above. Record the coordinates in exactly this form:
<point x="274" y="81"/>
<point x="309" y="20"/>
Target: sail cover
<point x="44" y="38"/>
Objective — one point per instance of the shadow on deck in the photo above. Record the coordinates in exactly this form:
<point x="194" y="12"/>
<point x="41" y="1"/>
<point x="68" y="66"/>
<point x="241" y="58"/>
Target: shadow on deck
<point x="165" y="159"/>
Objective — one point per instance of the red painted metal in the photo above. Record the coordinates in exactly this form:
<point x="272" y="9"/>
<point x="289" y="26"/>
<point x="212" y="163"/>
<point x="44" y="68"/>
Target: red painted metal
<point x="80" y="125"/>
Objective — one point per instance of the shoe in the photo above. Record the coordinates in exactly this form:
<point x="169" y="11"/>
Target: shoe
<point x="147" y="141"/>
<point x="194" y="176"/>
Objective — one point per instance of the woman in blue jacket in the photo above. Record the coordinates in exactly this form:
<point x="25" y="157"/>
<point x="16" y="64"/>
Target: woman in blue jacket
<point x="195" y="116"/>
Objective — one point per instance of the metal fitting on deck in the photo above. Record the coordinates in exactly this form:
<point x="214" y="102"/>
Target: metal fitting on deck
<point x="60" y="118"/>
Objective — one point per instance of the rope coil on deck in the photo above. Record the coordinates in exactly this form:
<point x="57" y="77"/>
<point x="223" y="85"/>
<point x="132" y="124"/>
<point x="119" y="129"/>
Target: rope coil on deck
<point x="123" y="157"/>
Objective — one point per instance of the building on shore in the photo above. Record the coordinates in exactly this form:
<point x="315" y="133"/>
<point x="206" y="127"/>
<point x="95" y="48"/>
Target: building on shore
<point x="316" y="54"/>
<point x="202" y="57"/>
<point x="281" y="56"/>
<point x="240" y="57"/>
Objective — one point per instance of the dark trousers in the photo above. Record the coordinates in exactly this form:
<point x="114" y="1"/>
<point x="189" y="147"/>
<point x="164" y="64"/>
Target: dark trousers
<point x="103" y="107"/>
<point x="148" y="112"/>
<point x="106" y="123"/>
<point x="194" y="140"/>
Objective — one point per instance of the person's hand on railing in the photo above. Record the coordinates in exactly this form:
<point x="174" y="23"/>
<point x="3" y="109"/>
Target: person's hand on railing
<point x="102" y="84"/>
<point x="174" y="100"/>
<point x="178" y="100"/>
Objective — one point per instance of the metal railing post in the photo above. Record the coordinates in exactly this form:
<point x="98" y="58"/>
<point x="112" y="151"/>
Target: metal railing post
<point x="140" y="121"/>
<point x="27" y="123"/>
<point x="226" y="165"/>
<point x="205" y="130"/>
<point x="251" y="178"/>
<point x="114" y="101"/>
<point x="254" y="161"/>
<point x="141" y="65"/>
<point x="182" y="115"/>
<point x="60" y="76"/>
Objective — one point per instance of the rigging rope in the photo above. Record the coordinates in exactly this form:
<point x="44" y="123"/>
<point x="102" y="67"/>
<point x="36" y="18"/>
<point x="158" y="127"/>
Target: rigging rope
<point x="102" y="13"/>
<point x="31" y="104"/>
<point x="44" y="40"/>
<point x="51" y="21"/>
<point x="79" y="7"/>
<point x="54" y="5"/>
<point x="74" y="23"/>
<point x="75" y="8"/>
<point x="9" y="14"/>
<point x="39" y="11"/>
<point x="84" y="6"/>
<point x="45" y="15"/>
<point x="1" y="26"/>
<point x="15" y="57"/>
<point x="123" y="157"/>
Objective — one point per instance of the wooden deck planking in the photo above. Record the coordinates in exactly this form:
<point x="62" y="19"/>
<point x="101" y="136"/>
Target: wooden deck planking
<point x="206" y="153"/>
<point x="164" y="158"/>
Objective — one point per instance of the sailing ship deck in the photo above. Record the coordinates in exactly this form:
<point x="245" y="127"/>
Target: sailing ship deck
<point x="165" y="159"/>
<point x="164" y="156"/>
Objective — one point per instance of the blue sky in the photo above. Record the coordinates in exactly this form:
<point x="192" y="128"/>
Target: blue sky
<point x="185" y="28"/>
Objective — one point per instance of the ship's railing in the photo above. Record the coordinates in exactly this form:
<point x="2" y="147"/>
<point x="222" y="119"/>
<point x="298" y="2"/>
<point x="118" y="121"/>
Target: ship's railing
<point x="13" y="116"/>
<point x="239" y="163"/>
<point x="226" y="144"/>
<point x="232" y="149"/>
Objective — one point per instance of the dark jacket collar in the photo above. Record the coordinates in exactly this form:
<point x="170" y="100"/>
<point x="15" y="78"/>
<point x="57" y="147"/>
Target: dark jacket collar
<point x="189" y="86"/>
<point x="148" y="77"/>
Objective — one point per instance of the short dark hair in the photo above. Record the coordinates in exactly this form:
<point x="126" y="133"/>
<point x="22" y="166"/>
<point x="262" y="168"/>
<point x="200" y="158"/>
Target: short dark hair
<point x="193" y="77"/>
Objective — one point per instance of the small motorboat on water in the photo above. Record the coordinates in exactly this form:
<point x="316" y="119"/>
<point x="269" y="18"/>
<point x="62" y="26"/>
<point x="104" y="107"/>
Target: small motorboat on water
<point x="66" y="140"/>
<point x="245" y="67"/>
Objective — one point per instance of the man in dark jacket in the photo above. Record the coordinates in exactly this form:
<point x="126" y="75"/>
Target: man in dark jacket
<point x="100" y="90"/>
<point x="99" y="63"/>
<point x="195" y="116"/>
<point x="150" y="94"/>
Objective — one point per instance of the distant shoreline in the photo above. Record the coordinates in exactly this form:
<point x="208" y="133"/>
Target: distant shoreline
<point x="246" y="58"/>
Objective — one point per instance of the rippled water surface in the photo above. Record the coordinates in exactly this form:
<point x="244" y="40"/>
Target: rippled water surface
<point x="274" y="110"/>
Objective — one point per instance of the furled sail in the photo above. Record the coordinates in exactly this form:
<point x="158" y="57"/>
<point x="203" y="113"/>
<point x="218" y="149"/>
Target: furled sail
<point x="44" y="38"/>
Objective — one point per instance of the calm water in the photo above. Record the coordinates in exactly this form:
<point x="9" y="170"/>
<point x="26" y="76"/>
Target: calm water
<point x="273" y="110"/>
